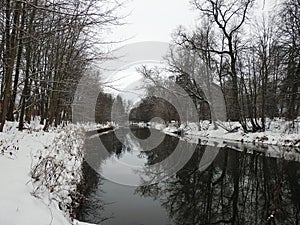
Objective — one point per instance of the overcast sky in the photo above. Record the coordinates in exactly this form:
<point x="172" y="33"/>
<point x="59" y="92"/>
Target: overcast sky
<point x="156" y="20"/>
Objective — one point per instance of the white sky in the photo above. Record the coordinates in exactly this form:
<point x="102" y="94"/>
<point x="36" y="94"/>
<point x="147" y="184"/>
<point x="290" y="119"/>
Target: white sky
<point x="149" y="20"/>
<point x="156" y="20"/>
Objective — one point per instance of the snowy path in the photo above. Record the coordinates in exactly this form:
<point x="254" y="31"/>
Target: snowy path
<point x="17" y="205"/>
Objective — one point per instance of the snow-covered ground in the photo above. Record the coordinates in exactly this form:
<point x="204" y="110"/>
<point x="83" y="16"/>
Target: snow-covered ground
<point x="27" y="154"/>
<point x="94" y="126"/>
<point x="279" y="140"/>
<point x="278" y="132"/>
<point x="39" y="170"/>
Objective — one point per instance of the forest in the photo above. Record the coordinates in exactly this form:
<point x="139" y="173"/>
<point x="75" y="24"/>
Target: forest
<point x="253" y="59"/>
<point x="46" y="46"/>
<point x="45" y="49"/>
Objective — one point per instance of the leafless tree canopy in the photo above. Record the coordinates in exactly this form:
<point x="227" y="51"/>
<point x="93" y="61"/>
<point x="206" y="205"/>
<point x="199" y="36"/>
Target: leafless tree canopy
<point x="45" y="48"/>
<point x="254" y="60"/>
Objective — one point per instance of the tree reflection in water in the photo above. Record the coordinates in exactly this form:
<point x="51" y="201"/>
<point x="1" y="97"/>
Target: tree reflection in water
<point x="91" y="207"/>
<point x="237" y="188"/>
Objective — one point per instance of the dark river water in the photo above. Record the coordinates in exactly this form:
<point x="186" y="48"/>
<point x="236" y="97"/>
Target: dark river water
<point x="232" y="187"/>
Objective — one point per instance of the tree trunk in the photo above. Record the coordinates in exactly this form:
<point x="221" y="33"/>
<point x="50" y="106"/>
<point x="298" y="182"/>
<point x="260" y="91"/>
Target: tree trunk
<point x="10" y="60"/>
<point x="26" y="91"/>
<point x="10" y="113"/>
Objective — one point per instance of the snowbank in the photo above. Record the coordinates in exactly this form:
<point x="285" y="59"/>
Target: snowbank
<point x="278" y="132"/>
<point x="53" y="159"/>
<point x="281" y="138"/>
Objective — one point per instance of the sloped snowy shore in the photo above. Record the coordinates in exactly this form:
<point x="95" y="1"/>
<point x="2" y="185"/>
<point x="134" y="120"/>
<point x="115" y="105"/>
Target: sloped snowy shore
<point x="281" y="138"/>
<point x="278" y="132"/>
<point x="39" y="172"/>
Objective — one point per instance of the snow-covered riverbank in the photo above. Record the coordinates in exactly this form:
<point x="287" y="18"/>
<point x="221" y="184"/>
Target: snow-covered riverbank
<point x="278" y="132"/>
<point x="280" y="140"/>
<point x="54" y="160"/>
<point x="40" y="170"/>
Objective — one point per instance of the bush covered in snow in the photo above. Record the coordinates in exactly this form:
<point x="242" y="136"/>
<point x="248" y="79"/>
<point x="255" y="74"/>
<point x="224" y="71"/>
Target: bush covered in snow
<point x="56" y="169"/>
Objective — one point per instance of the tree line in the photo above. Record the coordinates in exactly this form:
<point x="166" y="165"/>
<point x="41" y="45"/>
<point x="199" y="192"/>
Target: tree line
<point x="45" y="48"/>
<point x="255" y="61"/>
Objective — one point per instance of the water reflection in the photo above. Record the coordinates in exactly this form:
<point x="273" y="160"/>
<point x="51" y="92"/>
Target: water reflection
<point x="236" y="188"/>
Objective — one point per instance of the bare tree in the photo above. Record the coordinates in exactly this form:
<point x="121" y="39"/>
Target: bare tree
<point x="10" y="54"/>
<point x="258" y="66"/>
<point x="290" y="41"/>
<point x="45" y="48"/>
<point x="228" y="17"/>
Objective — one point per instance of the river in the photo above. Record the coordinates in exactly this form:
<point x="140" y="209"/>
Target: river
<point x="225" y="186"/>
